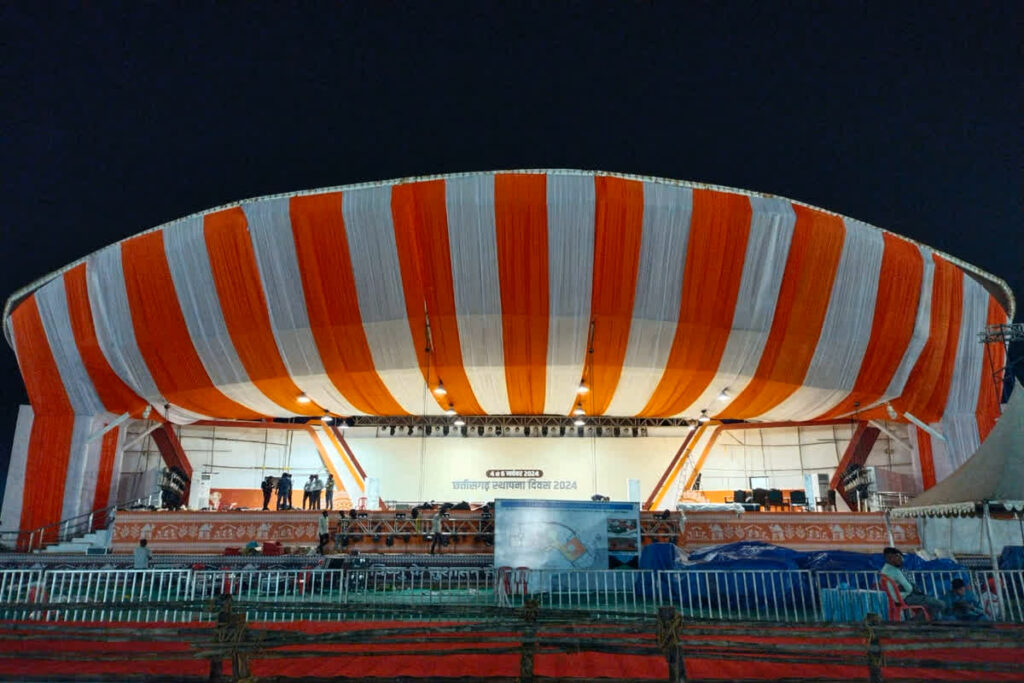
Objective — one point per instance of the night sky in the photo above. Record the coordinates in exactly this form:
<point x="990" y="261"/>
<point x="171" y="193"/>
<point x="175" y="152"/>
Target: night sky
<point x="120" y="118"/>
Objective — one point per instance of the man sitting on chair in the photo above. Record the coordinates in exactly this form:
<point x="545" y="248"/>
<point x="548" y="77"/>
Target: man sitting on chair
<point x="910" y="593"/>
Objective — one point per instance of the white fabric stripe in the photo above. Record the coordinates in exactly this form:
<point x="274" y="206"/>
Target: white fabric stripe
<point x="74" y="477"/>
<point x="115" y="474"/>
<point x="771" y="233"/>
<point x="53" y="310"/>
<point x="112" y="319"/>
<point x="349" y="484"/>
<point x="373" y="254"/>
<point x="10" y="514"/>
<point x="189" y="262"/>
<point x="571" y="216"/>
<point x="666" y="231"/>
<point x="473" y="244"/>
<point x="274" y="245"/>
<point x="91" y="472"/>
<point x="844" y="333"/>
<point x="959" y="421"/>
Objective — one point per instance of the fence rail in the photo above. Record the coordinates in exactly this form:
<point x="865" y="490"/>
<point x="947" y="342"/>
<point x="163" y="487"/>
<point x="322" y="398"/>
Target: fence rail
<point x="787" y="596"/>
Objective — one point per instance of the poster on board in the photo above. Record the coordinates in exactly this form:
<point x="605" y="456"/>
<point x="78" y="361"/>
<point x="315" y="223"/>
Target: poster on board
<point x="566" y="534"/>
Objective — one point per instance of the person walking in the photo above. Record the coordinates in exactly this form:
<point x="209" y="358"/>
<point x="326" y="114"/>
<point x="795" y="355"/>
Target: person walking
<point x="329" y="492"/>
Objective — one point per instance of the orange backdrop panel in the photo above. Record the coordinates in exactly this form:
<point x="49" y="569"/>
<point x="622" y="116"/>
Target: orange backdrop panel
<point x="162" y="335"/>
<point x="521" y="219"/>
<point x="618" y="231"/>
<point x="715" y="253"/>
<point x="421" y="234"/>
<point x="332" y="302"/>
<point x="799" y="313"/>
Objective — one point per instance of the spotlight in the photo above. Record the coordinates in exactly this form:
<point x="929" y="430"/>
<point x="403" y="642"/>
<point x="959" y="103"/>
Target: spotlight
<point x="392" y="430"/>
<point x="480" y="430"/>
<point x="428" y="430"/>
<point x="439" y="389"/>
<point x="302" y="398"/>
<point x="617" y="431"/>
<point x="463" y="430"/>
<point x="544" y="431"/>
<point x="410" y="431"/>
<point x="444" y="430"/>
<point x="561" y="431"/>
<point x="583" y="388"/>
<point x="526" y="431"/>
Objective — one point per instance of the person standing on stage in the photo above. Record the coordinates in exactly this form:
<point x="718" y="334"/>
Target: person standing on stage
<point x="267" y="486"/>
<point x="307" y="490"/>
<point x="314" y="492"/>
<point x="284" y="492"/>
<point x="323" y="529"/>
<point x="329" y="492"/>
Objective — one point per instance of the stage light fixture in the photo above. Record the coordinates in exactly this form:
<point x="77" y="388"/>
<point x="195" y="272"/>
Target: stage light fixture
<point x="392" y="430"/>
<point x="445" y="429"/>
<point x="463" y="430"/>
<point x="480" y="430"/>
<point x="439" y="389"/>
<point x="410" y="431"/>
<point x="302" y="398"/>
<point x="617" y="431"/>
<point x="526" y="430"/>
<point x="544" y="431"/>
<point x="428" y="430"/>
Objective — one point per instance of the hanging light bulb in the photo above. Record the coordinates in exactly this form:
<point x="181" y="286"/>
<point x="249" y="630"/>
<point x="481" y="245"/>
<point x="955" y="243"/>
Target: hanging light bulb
<point x="327" y="419"/>
<point x="459" y="422"/>
<point x="583" y="388"/>
<point x="451" y="409"/>
<point x="579" y="410"/>
<point x="302" y="398"/>
<point x="724" y="396"/>
<point x="579" y="422"/>
<point x="439" y="389"/>
<point x="703" y="416"/>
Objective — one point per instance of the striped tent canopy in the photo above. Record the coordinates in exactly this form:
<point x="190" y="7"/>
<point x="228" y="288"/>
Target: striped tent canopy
<point x="510" y="289"/>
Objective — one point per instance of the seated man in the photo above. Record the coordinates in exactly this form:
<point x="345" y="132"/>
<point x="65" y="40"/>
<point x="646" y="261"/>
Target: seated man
<point x="962" y="604"/>
<point x="910" y="593"/>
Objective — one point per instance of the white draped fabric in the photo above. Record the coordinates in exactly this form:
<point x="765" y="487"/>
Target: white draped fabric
<point x="666" y="229"/>
<point x="472" y="241"/>
<point x="272" y="241"/>
<point x="846" y="331"/>
<point x="771" y="233"/>
<point x="571" y="217"/>
<point x="370" y="231"/>
<point x="189" y="263"/>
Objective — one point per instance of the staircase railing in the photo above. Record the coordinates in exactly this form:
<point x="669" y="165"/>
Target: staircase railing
<point x="72" y="527"/>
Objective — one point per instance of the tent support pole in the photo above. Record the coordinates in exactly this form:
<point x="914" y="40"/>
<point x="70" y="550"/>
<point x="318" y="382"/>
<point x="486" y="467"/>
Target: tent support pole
<point x="992" y="552"/>
<point x="888" y="528"/>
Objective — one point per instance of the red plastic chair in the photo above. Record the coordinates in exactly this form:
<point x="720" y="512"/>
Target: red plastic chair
<point x="896" y="605"/>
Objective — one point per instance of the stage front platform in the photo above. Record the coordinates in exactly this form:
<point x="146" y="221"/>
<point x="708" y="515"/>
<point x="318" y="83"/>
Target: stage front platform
<point x="470" y="532"/>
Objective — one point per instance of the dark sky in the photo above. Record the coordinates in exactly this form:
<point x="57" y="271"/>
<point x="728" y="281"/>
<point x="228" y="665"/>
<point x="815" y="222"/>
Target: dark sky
<point x="119" y="118"/>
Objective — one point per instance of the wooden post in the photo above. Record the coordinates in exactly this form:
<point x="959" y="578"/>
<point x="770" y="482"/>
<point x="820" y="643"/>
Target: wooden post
<point x="670" y="631"/>
<point x="875" y="659"/>
<point x="530" y="609"/>
<point x="230" y="629"/>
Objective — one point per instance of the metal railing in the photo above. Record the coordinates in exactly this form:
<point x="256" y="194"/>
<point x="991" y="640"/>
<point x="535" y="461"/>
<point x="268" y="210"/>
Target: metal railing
<point x="70" y="528"/>
<point x="786" y="596"/>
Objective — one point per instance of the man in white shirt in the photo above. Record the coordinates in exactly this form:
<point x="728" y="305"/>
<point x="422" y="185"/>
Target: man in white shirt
<point x="323" y="528"/>
<point x="910" y="593"/>
<point x="142" y="555"/>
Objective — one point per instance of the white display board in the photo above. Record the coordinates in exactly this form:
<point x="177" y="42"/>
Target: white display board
<point x="566" y="534"/>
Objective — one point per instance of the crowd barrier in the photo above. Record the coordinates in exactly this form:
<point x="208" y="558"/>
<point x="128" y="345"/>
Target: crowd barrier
<point x="781" y="596"/>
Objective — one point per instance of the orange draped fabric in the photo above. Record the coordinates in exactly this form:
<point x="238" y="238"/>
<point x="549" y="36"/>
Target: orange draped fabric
<point x="343" y="456"/>
<point x="799" y="313"/>
<point x="899" y="291"/>
<point x="236" y="276"/>
<point x="926" y="390"/>
<point x="421" y="236"/>
<point x="321" y="245"/>
<point x="715" y="253"/>
<point x="991" y="374"/>
<point x="618" y="231"/>
<point x="924" y="453"/>
<point x="117" y="397"/>
<point x="521" y="220"/>
<point x="49" y="446"/>
<point x="162" y="334"/>
<point x="108" y="452"/>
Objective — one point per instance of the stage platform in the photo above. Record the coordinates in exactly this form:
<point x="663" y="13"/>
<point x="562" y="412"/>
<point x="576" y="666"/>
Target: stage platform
<point x="470" y="532"/>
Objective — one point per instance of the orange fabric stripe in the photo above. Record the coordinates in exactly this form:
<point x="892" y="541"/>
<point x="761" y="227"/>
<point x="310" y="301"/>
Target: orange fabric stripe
<point x="799" y="313"/>
<point x="703" y="456"/>
<point x="991" y="374"/>
<point x="899" y="290"/>
<point x="618" y="231"/>
<point x="35" y="359"/>
<point x="108" y="452"/>
<point x="924" y="452"/>
<point x="236" y="276"/>
<point x="162" y="335"/>
<point x="116" y="396"/>
<point x="348" y="450"/>
<point x="715" y="254"/>
<point x="421" y="236"/>
<point x="926" y="390"/>
<point x="521" y="218"/>
<point x="49" y="446"/>
<point x="321" y="245"/>
<point x="324" y="457"/>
